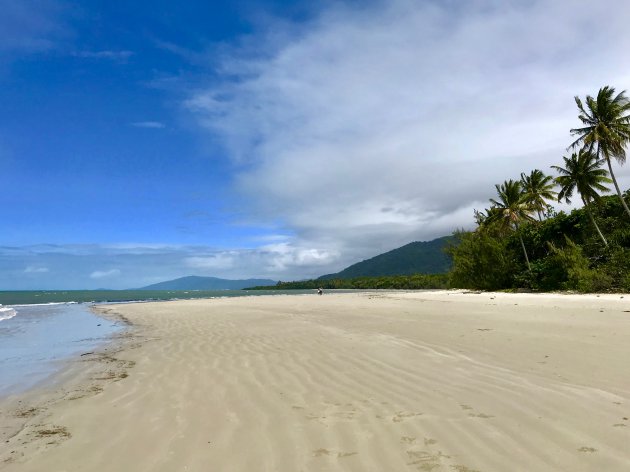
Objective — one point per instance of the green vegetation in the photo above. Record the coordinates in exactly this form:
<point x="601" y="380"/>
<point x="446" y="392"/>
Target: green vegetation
<point x="565" y="252"/>
<point x="607" y="129"/>
<point x="581" y="173"/>
<point x="402" y="282"/>
<point x="587" y="250"/>
<point x="537" y="189"/>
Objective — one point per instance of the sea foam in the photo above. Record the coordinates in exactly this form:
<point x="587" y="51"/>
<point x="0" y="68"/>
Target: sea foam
<point x="6" y="313"/>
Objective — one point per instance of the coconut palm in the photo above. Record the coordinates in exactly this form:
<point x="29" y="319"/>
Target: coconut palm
<point x="537" y="189"/>
<point x="511" y="209"/>
<point x="607" y="129"/>
<point x="582" y="172"/>
<point x="486" y="219"/>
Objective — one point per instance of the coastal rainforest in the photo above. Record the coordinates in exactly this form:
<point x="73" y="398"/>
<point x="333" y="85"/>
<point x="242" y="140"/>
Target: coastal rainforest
<point x="564" y="250"/>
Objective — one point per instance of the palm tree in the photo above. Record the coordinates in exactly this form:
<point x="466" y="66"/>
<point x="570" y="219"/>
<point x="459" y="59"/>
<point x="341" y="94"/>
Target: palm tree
<point x="607" y="129"/>
<point x="511" y="209"/>
<point x="582" y="172"/>
<point x="537" y="188"/>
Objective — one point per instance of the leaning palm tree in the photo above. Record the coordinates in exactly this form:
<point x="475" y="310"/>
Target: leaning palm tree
<point x="487" y="220"/>
<point x="511" y="209"/>
<point x="582" y="172"/>
<point x="607" y="129"/>
<point x="537" y="189"/>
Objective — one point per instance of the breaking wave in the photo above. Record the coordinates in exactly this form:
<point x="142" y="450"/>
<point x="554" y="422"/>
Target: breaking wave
<point x="6" y="313"/>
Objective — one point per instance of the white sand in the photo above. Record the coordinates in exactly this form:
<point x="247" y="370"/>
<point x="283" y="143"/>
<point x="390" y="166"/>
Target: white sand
<point x="433" y="381"/>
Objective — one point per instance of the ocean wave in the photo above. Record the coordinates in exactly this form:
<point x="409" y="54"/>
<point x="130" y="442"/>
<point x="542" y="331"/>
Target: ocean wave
<point x="7" y="313"/>
<point x="47" y="304"/>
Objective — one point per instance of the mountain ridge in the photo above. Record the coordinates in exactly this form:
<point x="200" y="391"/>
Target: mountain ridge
<point x="419" y="257"/>
<point x="196" y="282"/>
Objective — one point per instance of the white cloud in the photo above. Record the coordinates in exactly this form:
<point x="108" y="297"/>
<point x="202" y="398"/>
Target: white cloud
<point x="364" y="129"/>
<point x="277" y="259"/>
<point x="102" y="274"/>
<point x="148" y="124"/>
<point x="120" y="56"/>
<point x="221" y="260"/>
<point x="283" y="257"/>
<point x="36" y="270"/>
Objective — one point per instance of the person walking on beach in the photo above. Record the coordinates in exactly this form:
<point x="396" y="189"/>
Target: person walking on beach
<point x="320" y="291"/>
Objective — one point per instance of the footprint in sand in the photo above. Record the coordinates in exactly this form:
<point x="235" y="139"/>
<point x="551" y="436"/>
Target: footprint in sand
<point x="403" y="415"/>
<point x="475" y="415"/>
<point x="49" y="433"/>
<point x="322" y="452"/>
<point x="463" y="468"/>
<point x="426" y="460"/>
<point x="587" y="449"/>
<point x="321" y="419"/>
<point x="26" y="412"/>
<point x="480" y="415"/>
<point x="332" y="412"/>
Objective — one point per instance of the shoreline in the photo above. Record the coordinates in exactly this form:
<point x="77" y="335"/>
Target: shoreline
<point x="72" y="381"/>
<point x="270" y="350"/>
<point x="40" y="339"/>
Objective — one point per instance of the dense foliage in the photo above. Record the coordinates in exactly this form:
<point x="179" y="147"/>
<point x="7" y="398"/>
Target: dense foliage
<point x="565" y="253"/>
<point x="403" y="282"/>
<point x="587" y="250"/>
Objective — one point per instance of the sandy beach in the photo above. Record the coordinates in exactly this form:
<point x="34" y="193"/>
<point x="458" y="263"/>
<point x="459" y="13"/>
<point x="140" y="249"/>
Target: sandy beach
<point x="380" y="381"/>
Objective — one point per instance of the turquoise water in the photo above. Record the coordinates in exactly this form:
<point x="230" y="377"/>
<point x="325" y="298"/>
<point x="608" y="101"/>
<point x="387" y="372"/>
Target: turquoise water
<point x="59" y="296"/>
<point x="36" y="339"/>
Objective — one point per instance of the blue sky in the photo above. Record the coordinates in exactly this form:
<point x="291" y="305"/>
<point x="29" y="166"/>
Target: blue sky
<point x="143" y="141"/>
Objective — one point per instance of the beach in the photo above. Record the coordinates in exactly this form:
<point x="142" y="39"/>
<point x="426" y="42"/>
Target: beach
<point x="373" y="381"/>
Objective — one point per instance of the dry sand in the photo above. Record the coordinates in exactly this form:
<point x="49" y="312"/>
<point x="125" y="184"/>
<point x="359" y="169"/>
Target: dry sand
<point x="424" y="381"/>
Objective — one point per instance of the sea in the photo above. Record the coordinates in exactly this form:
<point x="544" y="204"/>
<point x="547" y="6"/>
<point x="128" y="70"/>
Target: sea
<point x="40" y="331"/>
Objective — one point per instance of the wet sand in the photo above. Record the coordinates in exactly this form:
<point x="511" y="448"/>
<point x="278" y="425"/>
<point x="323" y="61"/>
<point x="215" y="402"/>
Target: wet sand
<point x="387" y="381"/>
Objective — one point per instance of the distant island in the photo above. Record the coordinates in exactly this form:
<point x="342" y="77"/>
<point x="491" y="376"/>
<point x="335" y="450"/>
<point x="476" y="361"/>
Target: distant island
<point x="194" y="282"/>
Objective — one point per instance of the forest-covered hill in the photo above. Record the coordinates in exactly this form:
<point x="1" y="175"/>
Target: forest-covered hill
<point x="426" y="257"/>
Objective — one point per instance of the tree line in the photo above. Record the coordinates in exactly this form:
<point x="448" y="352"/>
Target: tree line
<point x="397" y="282"/>
<point x="520" y="241"/>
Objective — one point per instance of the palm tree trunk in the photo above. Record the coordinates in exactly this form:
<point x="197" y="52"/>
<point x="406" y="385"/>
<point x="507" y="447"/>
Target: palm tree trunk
<point x="520" y="238"/>
<point x="590" y="215"/>
<point x="612" y="176"/>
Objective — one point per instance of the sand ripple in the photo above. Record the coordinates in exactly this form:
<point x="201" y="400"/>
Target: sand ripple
<point x="423" y="382"/>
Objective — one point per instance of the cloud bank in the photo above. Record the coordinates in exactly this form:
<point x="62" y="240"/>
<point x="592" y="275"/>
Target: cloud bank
<point x="366" y="128"/>
<point x="125" y="266"/>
